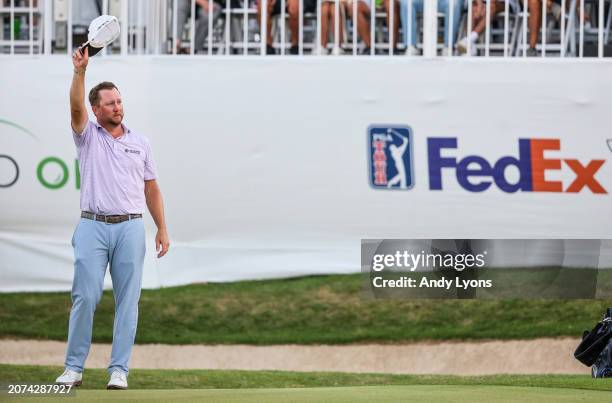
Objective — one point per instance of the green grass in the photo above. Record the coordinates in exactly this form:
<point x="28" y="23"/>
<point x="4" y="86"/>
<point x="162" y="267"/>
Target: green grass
<point x="276" y="386"/>
<point x="148" y="379"/>
<point x="379" y="394"/>
<point x="325" y="309"/>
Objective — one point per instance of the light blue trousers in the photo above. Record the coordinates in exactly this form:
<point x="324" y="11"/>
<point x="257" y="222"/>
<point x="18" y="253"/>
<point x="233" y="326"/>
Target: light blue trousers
<point x="417" y="7"/>
<point x="96" y="244"/>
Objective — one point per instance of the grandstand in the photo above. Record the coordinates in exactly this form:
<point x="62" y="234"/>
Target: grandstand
<point x="568" y="28"/>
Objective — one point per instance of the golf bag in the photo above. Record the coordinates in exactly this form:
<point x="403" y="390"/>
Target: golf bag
<point x="603" y="365"/>
<point x="595" y="350"/>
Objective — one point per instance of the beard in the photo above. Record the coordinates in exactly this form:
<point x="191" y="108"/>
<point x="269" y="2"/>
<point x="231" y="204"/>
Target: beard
<point x="114" y="120"/>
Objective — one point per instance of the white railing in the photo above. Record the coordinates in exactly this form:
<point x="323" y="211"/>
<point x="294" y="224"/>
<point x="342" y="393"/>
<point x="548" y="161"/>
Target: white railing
<point x="486" y="28"/>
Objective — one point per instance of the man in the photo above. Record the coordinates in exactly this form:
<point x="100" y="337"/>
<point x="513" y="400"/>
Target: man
<point x="117" y="178"/>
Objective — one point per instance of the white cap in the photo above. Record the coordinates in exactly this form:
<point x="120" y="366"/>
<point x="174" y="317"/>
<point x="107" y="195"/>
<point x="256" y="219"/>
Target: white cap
<point x="103" y="30"/>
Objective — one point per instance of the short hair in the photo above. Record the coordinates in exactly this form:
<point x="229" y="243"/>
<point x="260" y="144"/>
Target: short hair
<point x="94" y="93"/>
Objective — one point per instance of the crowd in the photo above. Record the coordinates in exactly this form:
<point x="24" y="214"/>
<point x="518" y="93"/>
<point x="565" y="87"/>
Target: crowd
<point x="402" y="23"/>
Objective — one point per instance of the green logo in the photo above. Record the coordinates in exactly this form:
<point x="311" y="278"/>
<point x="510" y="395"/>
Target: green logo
<point x="60" y="179"/>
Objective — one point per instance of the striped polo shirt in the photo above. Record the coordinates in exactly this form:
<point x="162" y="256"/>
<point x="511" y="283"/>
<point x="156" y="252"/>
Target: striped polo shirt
<point x="113" y="171"/>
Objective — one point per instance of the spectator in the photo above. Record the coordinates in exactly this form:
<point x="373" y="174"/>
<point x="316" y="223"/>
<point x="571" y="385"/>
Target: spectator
<point x="203" y="10"/>
<point x="396" y="20"/>
<point x="328" y="16"/>
<point x="363" y="21"/>
<point x="274" y="8"/>
<point x="535" y="17"/>
<point x="535" y="20"/>
<point x="417" y="7"/>
<point x="479" y="23"/>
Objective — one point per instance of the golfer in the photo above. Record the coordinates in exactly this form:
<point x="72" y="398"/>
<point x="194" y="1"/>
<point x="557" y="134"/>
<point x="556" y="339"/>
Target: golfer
<point x="117" y="179"/>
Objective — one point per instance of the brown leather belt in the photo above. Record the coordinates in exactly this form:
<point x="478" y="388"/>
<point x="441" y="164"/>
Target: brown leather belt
<point x="109" y="219"/>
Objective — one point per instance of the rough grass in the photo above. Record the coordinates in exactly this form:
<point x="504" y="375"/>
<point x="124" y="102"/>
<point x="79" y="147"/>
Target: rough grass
<point x="310" y="310"/>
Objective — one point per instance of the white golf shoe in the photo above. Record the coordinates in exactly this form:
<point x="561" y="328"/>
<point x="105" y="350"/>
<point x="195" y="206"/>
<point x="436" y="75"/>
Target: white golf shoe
<point x="118" y="380"/>
<point x="70" y="377"/>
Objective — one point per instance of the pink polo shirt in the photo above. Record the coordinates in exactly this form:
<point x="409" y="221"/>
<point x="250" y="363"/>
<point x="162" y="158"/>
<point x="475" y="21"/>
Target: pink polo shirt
<point x="113" y="171"/>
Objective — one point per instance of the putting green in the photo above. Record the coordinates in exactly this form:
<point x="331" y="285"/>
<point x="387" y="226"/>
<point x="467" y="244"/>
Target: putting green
<point x="413" y="393"/>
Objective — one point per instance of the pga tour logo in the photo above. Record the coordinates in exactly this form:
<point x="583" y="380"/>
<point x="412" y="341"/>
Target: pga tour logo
<point x="390" y="157"/>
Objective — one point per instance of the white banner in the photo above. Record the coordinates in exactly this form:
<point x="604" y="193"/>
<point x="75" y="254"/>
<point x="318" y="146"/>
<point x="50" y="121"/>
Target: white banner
<point x="268" y="167"/>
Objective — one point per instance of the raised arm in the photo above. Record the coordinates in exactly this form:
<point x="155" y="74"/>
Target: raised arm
<point x="78" y="112"/>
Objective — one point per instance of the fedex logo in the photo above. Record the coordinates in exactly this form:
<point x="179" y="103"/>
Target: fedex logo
<point x="476" y="174"/>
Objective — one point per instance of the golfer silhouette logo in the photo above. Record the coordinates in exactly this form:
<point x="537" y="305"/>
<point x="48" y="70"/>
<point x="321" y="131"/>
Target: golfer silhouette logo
<point x="390" y="157"/>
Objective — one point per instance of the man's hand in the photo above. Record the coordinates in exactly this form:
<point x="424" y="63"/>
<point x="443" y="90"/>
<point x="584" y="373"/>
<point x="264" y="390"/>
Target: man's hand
<point x="80" y="60"/>
<point x="162" y="242"/>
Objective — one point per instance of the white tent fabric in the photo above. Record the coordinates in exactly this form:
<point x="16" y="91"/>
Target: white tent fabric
<point x="263" y="163"/>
